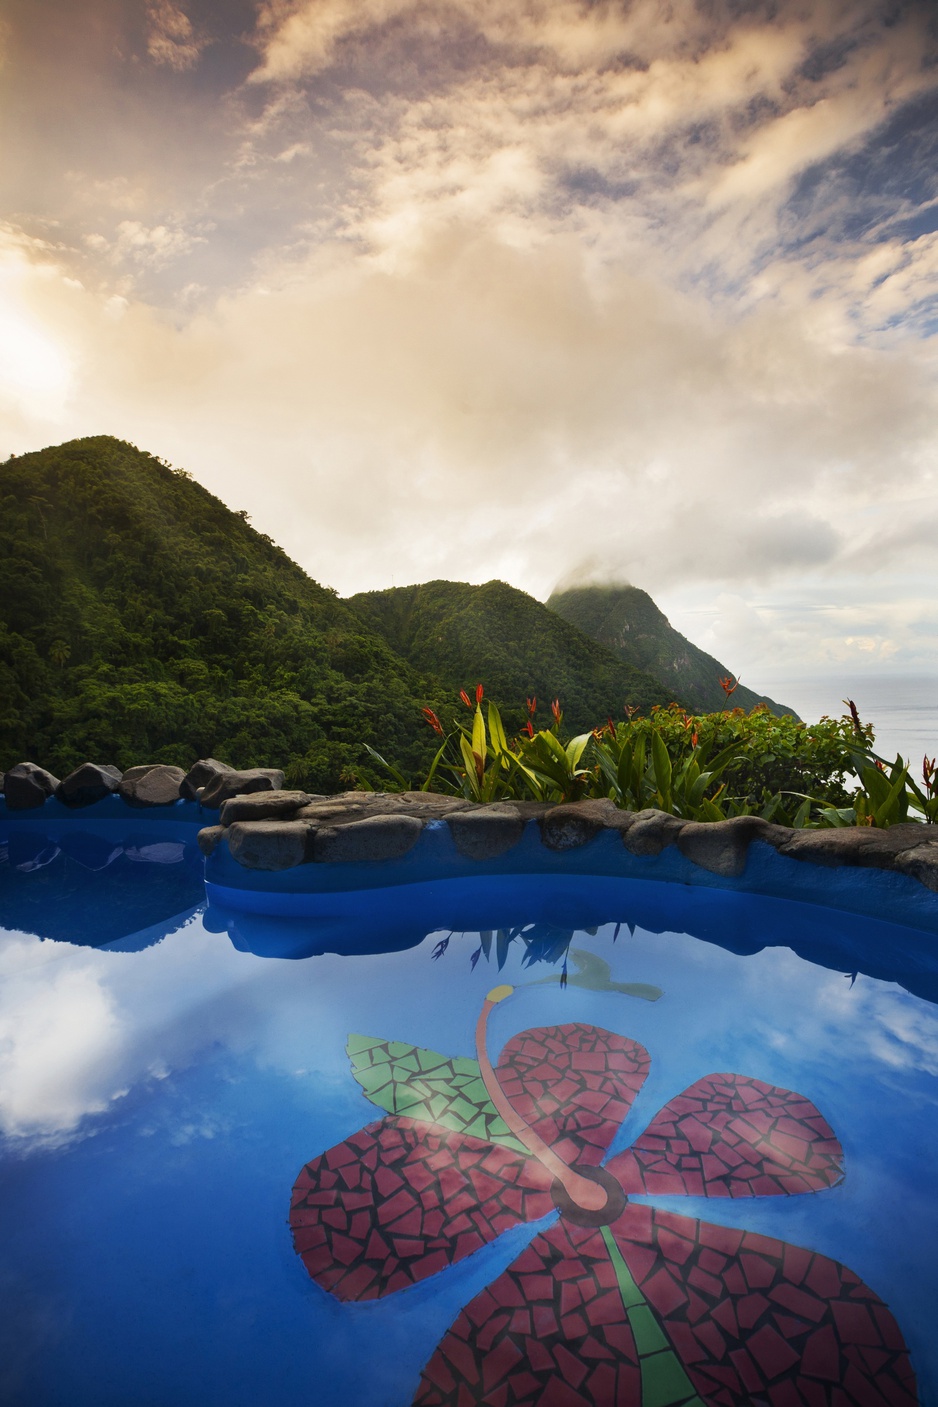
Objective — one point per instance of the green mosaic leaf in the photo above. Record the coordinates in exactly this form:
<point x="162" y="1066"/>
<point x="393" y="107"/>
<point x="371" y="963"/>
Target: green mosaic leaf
<point x="423" y="1084"/>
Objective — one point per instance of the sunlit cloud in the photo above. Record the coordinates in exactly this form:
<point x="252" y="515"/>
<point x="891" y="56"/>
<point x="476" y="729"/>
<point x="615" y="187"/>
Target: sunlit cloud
<point x="466" y="288"/>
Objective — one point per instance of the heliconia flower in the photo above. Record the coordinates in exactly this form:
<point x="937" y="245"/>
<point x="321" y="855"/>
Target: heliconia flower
<point x="432" y="719"/>
<point x="465" y="698"/>
<point x="694" y="738"/>
<point x="479" y="693"/>
<point x="556" y="710"/>
<point x="615" y="1303"/>
<point x="728" y="686"/>
<point x="532" y="705"/>
<point x="528" y="728"/>
<point x="854" y="714"/>
<point x="928" y="772"/>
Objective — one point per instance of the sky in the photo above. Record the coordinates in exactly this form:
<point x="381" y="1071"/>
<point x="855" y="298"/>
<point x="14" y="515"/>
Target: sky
<point x="545" y="290"/>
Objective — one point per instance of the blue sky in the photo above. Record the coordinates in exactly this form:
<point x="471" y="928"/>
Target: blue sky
<point x="535" y="289"/>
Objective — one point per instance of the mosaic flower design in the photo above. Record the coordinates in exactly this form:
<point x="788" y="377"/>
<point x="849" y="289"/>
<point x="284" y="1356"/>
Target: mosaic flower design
<point x="617" y="1304"/>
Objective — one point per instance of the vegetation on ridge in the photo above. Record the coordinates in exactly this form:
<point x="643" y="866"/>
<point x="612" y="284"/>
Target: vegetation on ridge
<point x="142" y="620"/>
<point x="627" y="622"/>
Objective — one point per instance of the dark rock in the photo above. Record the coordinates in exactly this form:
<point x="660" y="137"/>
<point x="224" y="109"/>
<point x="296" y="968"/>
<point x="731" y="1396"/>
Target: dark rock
<point x="374" y="839"/>
<point x="27" y="786"/>
<point x="159" y="786"/>
<point x="141" y="770"/>
<point x="359" y="805"/>
<point x="722" y="846"/>
<point x="571" y="824"/>
<point x="87" y="784"/>
<point x="263" y="806"/>
<point x="199" y="775"/>
<point x="224" y="785"/>
<point x="853" y="845"/>
<point x="651" y="831"/>
<point x="922" y="863"/>
<point x="487" y="832"/>
<point x="268" y="845"/>
<point x="208" y="837"/>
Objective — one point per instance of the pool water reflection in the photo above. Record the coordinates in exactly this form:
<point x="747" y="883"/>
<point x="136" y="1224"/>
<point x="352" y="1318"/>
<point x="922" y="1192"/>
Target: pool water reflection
<point x="167" y="1073"/>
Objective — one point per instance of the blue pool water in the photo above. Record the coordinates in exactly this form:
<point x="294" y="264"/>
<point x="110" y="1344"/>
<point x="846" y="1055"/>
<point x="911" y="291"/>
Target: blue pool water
<point x="163" y="1081"/>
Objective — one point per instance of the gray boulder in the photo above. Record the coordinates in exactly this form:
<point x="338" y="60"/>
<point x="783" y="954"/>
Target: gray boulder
<point x="208" y="838"/>
<point x="571" y="824"/>
<point x="374" y="839"/>
<point x="922" y="863"/>
<point x="27" y="785"/>
<point x="268" y="845"/>
<point x="159" y="786"/>
<point x="853" y="845"/>
<point x="199" y="775"/>
<point x="88" y="783"/>
<point x="488" y="832"/>
<point x="224" y="785"/>
<point x="140" y="770"/>
<point x="263" y="806"/>
<point x="722" y="846"/>
<point x="651" y="831"/>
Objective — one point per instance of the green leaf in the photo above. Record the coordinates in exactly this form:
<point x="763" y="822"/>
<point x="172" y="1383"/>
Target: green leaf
<point x="423" y="1084"/>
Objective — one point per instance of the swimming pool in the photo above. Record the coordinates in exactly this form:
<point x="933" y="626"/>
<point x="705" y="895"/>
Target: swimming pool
<point x="175" y="1078"/>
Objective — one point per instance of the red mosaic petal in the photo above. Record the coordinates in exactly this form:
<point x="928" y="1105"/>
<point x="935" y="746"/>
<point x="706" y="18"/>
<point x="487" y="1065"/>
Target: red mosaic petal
<point x="800" y="1331"/>
<point x="732" y="1136"/>
<point x="407" y="1217"/>
<point x="588" y="1359"/>
<point x="574" y="1084"/>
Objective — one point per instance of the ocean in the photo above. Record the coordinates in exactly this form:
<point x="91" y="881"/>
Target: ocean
<point x="903" y="708"/>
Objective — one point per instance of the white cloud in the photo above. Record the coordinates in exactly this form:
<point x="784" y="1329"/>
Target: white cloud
<point x="171" y="39"/>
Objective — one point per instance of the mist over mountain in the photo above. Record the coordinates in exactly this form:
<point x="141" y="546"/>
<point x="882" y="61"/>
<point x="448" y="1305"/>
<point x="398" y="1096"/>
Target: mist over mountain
<point x="628" y="623"/>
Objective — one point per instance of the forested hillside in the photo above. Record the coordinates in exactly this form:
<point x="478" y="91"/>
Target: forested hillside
<point x="626" y="621"/>
<point x="142" y="620"/>
<point x="507" y="640"/>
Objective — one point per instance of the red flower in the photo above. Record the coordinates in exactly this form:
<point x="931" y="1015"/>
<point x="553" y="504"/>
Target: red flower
<point x="432" y="719"/>
<point x="693" y="738"/>
<point x="465" y="698"/>
<point x="557" y="711"/>
<point x="532" y="706"/>
<point x="728" y="686"/>
<point x="629" y="1302"/>
<point x="479" y="692"/>
<point x="528" y="728"/>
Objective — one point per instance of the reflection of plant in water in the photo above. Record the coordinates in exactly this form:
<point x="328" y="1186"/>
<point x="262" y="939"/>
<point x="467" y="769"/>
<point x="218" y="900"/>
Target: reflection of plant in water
<point x="546" y="942"/>
<point x="615" y="1302"/>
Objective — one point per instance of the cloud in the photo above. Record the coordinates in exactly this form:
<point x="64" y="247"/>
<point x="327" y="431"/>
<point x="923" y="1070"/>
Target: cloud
<point x="171" y="39"/>
<point x="471" y="288"/>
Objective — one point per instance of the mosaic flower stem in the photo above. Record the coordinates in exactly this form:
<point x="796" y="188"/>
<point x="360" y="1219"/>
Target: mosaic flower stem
<point x="584" y="1193"/>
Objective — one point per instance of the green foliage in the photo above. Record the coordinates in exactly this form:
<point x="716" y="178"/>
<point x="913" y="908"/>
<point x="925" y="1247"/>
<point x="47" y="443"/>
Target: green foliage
<point x="458" y="634"/>
<point x="703" y="767"/>
<point x="141" y="620"/>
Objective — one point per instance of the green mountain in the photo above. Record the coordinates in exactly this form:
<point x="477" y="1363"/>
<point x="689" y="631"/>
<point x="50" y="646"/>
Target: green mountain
<point x="516" y="647"/>
<point x="626" y="621"/>
<point x="142" y="620"/>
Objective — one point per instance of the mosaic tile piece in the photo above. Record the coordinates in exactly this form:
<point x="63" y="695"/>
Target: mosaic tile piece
<point x="754" y="1319"/>
<point x="440" y="1089"/>
<point x="574" y="1085"/>
<point x="666" y="1332"/>
<point x="400" y="1200"/>
<point x="733" y="1136"/>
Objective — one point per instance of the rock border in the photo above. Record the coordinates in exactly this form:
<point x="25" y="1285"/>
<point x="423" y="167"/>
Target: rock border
<point x="267" y="828"/>
<point x="279" y="830"/>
